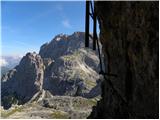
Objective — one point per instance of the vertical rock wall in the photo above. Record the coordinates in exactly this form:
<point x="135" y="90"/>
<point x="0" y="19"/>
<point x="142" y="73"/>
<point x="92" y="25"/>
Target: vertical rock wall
<point x="129" y="34"/>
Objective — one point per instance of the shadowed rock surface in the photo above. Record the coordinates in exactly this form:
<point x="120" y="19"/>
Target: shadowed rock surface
<point x="24" y="80"/>
<point x="129" y="35"/>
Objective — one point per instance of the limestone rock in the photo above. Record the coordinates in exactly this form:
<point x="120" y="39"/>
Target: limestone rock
<point x="25" y="79"/>
<point x="75" y="68"/>
<point x="62" y="67"/>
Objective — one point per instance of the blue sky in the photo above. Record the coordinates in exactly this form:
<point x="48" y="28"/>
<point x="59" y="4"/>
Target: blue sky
<point x="28" y="25"/>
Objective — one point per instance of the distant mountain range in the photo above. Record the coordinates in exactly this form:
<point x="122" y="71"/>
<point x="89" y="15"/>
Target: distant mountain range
<point x="8" y="63"/>
<point x="62" y="67"/>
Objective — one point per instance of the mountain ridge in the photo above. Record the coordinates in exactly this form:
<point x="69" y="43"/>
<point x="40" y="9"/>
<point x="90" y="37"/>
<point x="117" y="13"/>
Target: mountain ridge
<point x="62" y="67"/>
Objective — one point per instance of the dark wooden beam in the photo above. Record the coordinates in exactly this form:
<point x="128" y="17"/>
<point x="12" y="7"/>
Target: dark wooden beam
<point x="94" y="29"/>
<point x="87" y="25"/>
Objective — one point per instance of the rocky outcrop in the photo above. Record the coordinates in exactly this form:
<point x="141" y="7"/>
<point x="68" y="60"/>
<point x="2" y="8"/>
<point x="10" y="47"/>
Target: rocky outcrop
<point x="24" y="80"/>
<point x="61" y="45"/>
<point x="129" y="35"/>
<point x="71" y="75"/>
<point x="62" y="67"/>
<point x="75" y="68"/>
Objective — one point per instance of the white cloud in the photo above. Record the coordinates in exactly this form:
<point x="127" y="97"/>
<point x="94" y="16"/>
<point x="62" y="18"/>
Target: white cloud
<point x="3" y="62"/>
<point x="66" y="23"/>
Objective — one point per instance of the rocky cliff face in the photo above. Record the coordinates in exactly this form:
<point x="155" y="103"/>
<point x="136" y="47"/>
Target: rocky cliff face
<point x="74" y="70"/>
<point x="129" y="35"/>
<point x="62" y="44"/>
<point x="62" y="67"/>
<point x="24" y="80"/>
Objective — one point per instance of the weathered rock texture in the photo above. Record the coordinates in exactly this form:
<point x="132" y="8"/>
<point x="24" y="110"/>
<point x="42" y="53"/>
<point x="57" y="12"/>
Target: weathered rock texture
<point x="129" y="34"/>
<point x="24" y="80"/>
<point x="74" y="71"/>
<point x="62" y="67"/>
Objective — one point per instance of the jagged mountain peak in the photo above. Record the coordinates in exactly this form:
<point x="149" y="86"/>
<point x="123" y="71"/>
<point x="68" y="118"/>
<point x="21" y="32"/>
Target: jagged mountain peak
<point x="31" y="56"/>
<point x="60" y="37"/>
<point x="63" y="36"/>
<point x="62" y="44"/>
<point x="62" y="67"/>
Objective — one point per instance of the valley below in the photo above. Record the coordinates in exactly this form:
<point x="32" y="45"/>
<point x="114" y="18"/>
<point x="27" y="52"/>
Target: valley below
<point x="57" y="107"/>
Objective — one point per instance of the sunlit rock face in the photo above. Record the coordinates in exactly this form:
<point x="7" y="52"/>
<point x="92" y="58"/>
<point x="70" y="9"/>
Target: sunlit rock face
<point x="62" y="67"/>
<point x="62" y="44"/>
<point x="129" y="36"/>
<point x="75" y="68"/>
